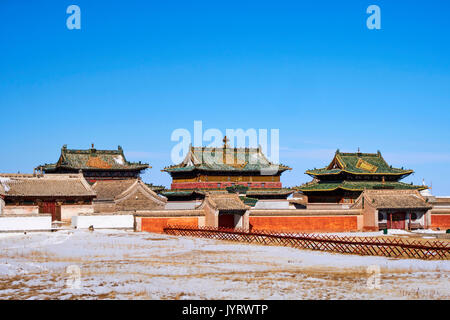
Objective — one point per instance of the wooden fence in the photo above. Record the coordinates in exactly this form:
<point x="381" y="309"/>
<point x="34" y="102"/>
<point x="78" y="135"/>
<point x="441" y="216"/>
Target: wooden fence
<point x="368" y="246"/>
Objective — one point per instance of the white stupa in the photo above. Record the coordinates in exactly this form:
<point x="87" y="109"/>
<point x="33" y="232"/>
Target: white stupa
<point x="426" y="192"/>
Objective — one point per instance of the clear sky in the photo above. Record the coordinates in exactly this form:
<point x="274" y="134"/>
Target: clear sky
<point x="137" y="70"/>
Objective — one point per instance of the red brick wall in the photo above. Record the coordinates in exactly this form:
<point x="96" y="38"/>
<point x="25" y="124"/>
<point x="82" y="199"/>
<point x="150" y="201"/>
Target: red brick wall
<point x="441" y="221"/>
<point x="157" y="224"/>
<point x="306" y="224"/>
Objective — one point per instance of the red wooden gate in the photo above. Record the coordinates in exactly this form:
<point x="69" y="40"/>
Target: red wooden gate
<point x="226" y="221"/>
<point x="51" y="208"/>
<point x="396" y="221"/>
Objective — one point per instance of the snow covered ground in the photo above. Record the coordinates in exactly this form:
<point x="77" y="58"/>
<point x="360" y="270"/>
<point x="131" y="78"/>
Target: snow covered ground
<point x="107" y="264"/>
<point x="391" y="232"/>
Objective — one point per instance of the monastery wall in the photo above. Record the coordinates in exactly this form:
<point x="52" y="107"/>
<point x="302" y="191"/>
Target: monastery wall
<point x="440" y="218"/>
<point x="117" y="221"/>
<point x="104" y="206"/>
<point x="157" y="224"/>
<point x="70" y="210"/>
<point x="293" y="220"/>
<point x="27" y="222"/>
<point x="323" y="223"/>
<point x="157" y="220"/>
<point x="20" y="210"/>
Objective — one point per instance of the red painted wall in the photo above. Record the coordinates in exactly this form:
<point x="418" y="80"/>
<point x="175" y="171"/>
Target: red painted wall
<point x="306" y="224"/>
<point x="223" y="185"/>
<point x="441" y="221"/>
<point x="276" y="223"/>
<point x="157" y="224"/>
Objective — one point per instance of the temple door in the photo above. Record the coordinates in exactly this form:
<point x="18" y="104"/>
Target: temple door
<point x="52" y="208"/>
<point x="397" y="220"/>
<point x="226" y="221"/>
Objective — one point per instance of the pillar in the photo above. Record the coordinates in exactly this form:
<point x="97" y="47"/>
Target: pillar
<point x="2" y="205"/>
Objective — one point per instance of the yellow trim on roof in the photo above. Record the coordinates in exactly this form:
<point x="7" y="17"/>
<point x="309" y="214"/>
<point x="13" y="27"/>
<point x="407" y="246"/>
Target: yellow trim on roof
<point x="348" y="189"/>
<point x="336" y="157"/>
<point x="339" y="187"/>
<point x="342" y="170"/>
<point x="340" y="162"/>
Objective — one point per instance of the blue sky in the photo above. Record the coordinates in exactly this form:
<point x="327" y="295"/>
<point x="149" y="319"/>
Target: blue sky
<point x="137" y="70"/>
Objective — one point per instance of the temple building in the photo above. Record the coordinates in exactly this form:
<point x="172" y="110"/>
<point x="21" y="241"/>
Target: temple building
<point x="239" y="170"/>
<point x="95" y="164"/>
<point x="394" y="209"/>
<point x="349" y="174"/>
<point x="59" y="195"/>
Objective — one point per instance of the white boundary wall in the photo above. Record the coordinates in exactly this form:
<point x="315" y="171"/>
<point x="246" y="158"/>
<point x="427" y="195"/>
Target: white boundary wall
<point x="12" y="223"/>
<point x="70" y="210"/>
<point x="103" y="221"/>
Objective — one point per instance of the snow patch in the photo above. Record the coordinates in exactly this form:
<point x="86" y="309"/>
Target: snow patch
<point x="119" y="160"/>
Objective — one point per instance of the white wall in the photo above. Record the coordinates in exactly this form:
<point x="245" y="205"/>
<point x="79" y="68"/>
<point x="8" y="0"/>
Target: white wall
<point x="238" y="221"/>
<point x="15" y="210"/>
<point x="182" y="205"/>
<point x="68" y="211"/>
<point x="103" y="221"/>
<point x="11" y="223"/>
<point x="273" y="204"/>
<point x="328" y="206"/>
<point x="242" y="221"/>
<point x="441" y="206"/>
<point x="420" y="217"/>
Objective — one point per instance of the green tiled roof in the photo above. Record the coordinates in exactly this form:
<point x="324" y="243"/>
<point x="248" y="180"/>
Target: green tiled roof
<point x="181" y="193"/>
<point x="249" y="201"/>
<point x="356" y="186"/>
<point x="156" y="188"/>
<point x="359" y="163"/>
<point x="234" y="160"/>
<point x="93" y="159"/>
